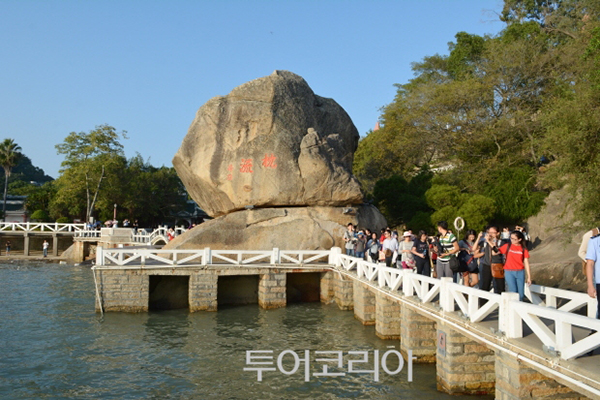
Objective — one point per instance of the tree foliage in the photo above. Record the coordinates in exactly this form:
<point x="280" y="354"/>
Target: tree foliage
<point x="90" y="171"/>
<point x="10" y="154"/>
<point x="486" y="117"/>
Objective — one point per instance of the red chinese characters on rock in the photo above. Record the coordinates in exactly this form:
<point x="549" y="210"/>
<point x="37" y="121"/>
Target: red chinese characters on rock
<point x="246" y="166"/>
<point x="230" y="172"/>
<point x="269" y="161"/>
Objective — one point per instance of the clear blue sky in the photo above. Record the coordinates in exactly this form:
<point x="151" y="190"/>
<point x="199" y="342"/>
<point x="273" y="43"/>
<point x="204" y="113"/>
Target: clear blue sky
<point x="147" y="66"/>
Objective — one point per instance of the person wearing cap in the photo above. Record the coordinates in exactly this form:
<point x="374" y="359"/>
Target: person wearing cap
<point x="405" y="250"/>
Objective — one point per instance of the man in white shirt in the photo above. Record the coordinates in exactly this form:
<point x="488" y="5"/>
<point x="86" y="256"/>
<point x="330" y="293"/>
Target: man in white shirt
<point x="389" y="247"/>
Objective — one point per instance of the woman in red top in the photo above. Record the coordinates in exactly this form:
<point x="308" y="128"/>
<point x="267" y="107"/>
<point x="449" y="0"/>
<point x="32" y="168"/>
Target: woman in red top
<point x="516" y="264"/>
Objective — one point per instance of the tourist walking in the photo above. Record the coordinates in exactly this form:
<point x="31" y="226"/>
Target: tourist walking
<point x="45" y="246"/>
<point x="489" y="257"/>
<point x="469" y="244"/>
<point x="8" y="245"/>
<point x="389" y="247"/>
<point x="405" y="250"/>
<point x="592" y="270"/>
<point x="516" y="266"/>
<point x="361" y="243"/>
<point x="420" y="250"/>
<point x="350" y="239"/>
<point x="447" y="248"/>
<point x="373" y="248"/>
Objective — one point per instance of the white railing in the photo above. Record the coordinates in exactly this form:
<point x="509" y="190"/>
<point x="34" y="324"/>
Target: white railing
<point x="88" y="234"/>
<point x="425" y="288"/>
<point x="40" y="227"/>
<point x="124" y="256"/>
<point x="142" y="236"/>
<point x="552" y="296"/>
<point x="475" y="304"/>
<point x="562" y="338"/>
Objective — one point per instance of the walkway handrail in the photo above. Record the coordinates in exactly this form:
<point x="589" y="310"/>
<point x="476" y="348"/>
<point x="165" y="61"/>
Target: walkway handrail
<point x="575" y="300"/>
<point x="475" y="304"/>
<point x="40" y="227"/>
<point x="124" y="256"/>
<point x="562" y="339"/>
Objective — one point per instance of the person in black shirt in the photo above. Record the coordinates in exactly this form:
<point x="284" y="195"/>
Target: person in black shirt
<point x="421" y="252"/>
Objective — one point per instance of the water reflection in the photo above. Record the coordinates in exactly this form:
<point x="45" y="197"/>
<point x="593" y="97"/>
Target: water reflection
<point x="53" y="345"/>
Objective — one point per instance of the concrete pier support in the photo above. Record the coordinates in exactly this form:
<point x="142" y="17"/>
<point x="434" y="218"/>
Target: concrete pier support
<point x="203" y="292"/>
<point x="388" y="317"/>
<point x="463" y="365"/>
<point x="344" y="296"/>
<point x="123" y="290"/>
<point x="271" y="290"/>
<point x="78" y="253"/>
<point x="26" y="245"/>
<point x="327" y="291"/>
<point x="516" y="381"/>
<point x="364" y="303"/>
<point x="55" y="245"/>
<point x="418" y="333"/>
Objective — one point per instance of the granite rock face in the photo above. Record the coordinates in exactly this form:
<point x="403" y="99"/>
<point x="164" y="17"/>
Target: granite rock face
<point x="286" y="228"/>
<point x="270" y="142"/>
<point x="556" y="235"/>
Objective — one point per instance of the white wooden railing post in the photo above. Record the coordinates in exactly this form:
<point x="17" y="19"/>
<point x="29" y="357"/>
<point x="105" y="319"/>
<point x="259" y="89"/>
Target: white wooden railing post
<point x="509" y="320"/>
<point x="275" y="256"/>
<point x="380" y="276"/>
<point x="206" y="257"/>
<point x="407" y="282"/>
<point x="334" y="258"/>
<point x="472" y="305"/>
<point x="99" y="256"/>
<point x="446" y="300"/>
<point x="564" y="334"/>
<point x="592" y="307"/>
<point x="121" y="255"/>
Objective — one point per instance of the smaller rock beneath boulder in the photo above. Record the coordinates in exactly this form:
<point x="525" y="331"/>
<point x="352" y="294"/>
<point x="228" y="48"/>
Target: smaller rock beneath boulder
<point x="286" y="228"/>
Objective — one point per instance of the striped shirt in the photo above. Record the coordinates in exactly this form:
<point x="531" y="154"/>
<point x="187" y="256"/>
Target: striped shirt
<point x="447" y="242"/>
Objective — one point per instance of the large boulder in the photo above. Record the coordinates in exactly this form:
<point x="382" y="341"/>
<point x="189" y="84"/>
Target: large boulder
<point x="286" y="228"/>
<point x="270" y="142"/>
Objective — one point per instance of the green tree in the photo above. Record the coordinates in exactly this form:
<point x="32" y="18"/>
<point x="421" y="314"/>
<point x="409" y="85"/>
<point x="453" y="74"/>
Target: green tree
<point x="90" y="159"/>
<point x="40" y="215"/>
<point x="10" y="153"/>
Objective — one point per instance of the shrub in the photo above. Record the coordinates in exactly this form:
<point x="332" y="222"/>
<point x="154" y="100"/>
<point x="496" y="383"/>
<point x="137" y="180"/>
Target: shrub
<point x="40" y="216"/>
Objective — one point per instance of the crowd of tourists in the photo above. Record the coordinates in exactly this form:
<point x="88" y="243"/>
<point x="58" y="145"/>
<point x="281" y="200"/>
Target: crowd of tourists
<point x="486" y="259"/>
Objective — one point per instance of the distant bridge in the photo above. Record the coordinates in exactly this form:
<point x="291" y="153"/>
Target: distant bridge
<point x="81" y="234"/>
<point x="480" y="341"/>
<point x="26" y="230"/>
<point x="128" y="236"/>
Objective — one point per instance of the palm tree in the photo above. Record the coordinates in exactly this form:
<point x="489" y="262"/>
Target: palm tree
<point x="10" y="153"/>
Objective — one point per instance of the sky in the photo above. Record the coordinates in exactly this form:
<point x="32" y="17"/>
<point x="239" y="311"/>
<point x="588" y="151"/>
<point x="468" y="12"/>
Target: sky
<point x="146" y="66"/>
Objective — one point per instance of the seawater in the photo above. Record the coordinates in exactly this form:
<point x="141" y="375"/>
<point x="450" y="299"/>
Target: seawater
<point x="54" y="346"/>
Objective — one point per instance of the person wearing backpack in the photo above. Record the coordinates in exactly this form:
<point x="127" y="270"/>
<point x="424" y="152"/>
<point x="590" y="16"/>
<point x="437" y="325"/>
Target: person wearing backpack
<point x="516" y="266"/>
